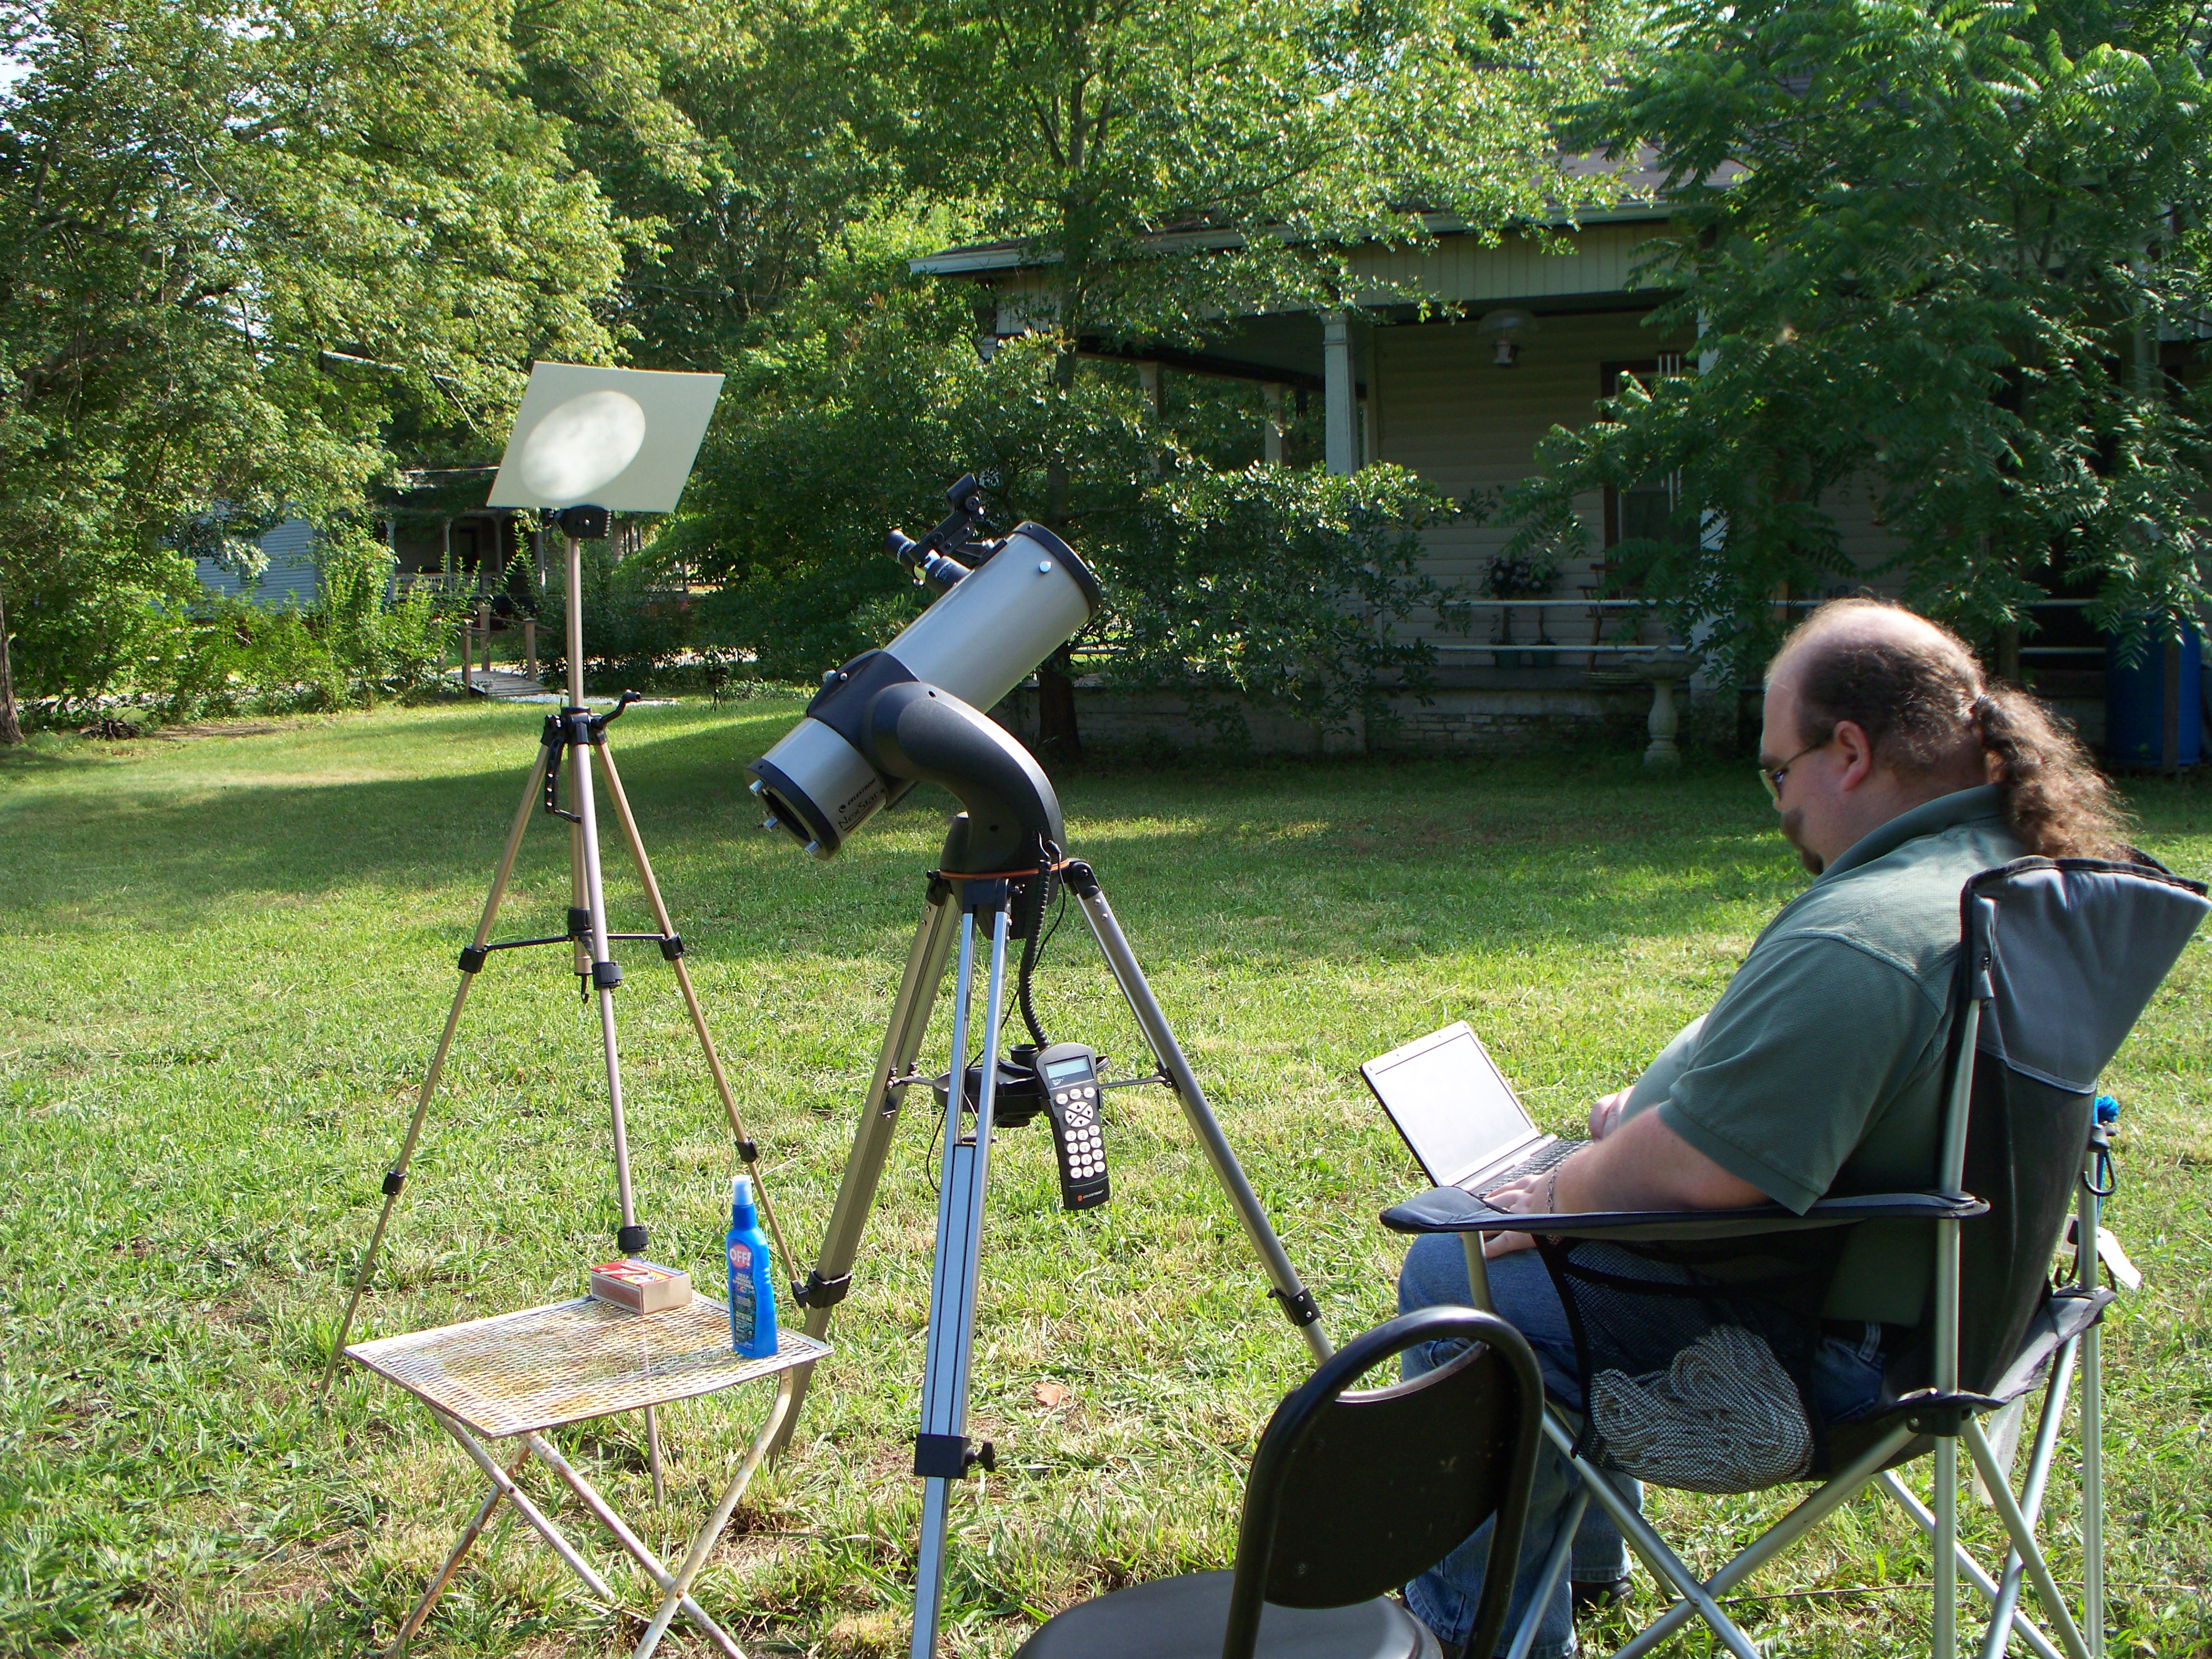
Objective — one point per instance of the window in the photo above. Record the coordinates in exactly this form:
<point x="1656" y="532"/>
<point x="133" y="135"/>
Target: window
<point x="1641" y="511"/>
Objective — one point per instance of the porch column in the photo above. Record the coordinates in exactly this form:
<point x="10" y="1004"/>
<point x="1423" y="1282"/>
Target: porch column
<point x="1274" y="451"/>
<point x="1340" y="446"/>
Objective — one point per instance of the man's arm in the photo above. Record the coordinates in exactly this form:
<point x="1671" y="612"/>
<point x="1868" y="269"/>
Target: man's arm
<point x="1788" y="1069"/>
<point x="1641" y="1165"/>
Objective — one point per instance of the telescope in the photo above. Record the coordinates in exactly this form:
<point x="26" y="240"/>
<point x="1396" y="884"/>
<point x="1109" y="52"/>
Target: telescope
<point x="909" y="713"/>
<point x="913" y="712"/>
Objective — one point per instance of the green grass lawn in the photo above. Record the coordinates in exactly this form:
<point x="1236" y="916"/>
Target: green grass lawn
<point x="228" y="959"/>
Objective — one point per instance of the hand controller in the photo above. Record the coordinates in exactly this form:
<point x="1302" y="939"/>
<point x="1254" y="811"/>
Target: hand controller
<point x="1067" y="1076"/>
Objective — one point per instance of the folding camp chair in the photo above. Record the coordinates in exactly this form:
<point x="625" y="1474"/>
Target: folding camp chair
<point x="1352" y="1494"/>
<point x="2058" y="959"/>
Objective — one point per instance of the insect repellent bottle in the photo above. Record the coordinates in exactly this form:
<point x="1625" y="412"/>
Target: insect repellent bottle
<point x="752" y="1292"/>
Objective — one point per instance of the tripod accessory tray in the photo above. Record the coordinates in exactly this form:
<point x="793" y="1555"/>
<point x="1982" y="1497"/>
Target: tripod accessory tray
<point x="571" y="1361"/>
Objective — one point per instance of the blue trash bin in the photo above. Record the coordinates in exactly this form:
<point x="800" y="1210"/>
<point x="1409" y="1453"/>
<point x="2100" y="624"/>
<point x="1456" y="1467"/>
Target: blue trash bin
<point x="2136" y="700"/>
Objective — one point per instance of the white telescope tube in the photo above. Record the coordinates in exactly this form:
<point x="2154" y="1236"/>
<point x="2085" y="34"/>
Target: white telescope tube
<point x="978" y="640"/>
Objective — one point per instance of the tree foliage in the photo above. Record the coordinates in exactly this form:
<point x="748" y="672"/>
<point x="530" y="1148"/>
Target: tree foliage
<point x="1272" y="132"/>
<point x="240" y="244"/>
<point x="1930" y="250"/>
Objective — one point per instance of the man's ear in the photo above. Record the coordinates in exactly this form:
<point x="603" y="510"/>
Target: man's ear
<point x="1857" y="751"/>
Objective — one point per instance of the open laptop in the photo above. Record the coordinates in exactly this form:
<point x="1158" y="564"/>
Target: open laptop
<point x="1459" y="1115"/>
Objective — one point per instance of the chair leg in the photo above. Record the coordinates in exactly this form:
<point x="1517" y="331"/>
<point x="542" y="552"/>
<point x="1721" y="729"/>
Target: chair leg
<point x="1555" y="1563"/>
<point x="2092" y="1491"/>
<point x="588" y="1496"/>
<point x="2023" y="1538"/>
<point x="2038" y="1473"/>
<point x="1945" y="1641"/>
<point x="678" y="1587"/>
<point x="1833" y="1495"/>
<point x="1662" y="1560"/>
<point x="462" y="1545"/>
<point x="1922" y="1515"/>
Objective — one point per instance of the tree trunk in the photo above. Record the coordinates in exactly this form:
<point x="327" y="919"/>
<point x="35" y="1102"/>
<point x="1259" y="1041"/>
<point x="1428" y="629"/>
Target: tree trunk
<point x="1058" y="740"/>
<point x="11" y="728"/>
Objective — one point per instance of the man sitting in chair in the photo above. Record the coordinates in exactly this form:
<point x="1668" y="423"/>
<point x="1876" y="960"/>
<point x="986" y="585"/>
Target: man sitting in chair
<point x="1898" y="772"/>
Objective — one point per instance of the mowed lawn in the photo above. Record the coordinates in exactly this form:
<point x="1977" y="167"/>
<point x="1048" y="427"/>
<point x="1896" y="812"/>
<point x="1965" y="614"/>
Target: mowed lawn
<point x="227" y="960"/>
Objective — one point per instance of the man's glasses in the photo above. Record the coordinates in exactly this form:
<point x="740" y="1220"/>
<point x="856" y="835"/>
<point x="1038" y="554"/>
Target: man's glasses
<point x="1772" y="776"/>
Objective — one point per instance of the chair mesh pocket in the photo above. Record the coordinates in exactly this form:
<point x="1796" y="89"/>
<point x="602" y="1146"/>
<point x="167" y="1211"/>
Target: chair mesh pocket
<point x="1695" y="1359"/>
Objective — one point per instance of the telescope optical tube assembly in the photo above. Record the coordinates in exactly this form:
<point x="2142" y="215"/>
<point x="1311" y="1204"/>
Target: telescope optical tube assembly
<point x="979" y="640"/>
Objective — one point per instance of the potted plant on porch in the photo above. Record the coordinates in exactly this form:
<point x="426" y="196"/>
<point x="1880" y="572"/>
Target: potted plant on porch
<point x="1525" y="577"/>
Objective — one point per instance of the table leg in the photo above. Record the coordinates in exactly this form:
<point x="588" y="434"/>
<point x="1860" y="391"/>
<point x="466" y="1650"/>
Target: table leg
<point x="703" y="1545"/>
<point x="461" y="1547"/>
<point x="528" y="1510"/>
<point x="653" y="1455"/>
<point x="550" y="1456"/>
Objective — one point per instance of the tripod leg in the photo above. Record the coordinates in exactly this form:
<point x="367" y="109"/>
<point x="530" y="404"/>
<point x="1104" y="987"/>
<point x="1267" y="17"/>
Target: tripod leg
<point x="1297" y="1302"/>
<point x="872" y="1138"/>
<point x="397" y="1176"/>
<point x="660" y="920"/>
<point x="940" y="1453"/>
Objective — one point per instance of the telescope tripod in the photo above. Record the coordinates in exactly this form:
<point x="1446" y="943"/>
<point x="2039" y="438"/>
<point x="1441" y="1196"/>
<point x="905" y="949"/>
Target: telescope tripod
<point x="967" y="907"/>
<point x="581" y="736"/>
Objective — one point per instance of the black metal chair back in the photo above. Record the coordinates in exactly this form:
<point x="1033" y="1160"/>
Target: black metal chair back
<point x="1354" y="1493"/>
<point x="2063" y="955"/>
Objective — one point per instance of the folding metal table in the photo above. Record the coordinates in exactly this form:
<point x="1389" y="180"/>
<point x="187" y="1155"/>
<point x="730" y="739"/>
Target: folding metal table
<point x="518" y="1376"/>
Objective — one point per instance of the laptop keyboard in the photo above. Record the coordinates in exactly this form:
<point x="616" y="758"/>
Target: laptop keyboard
<point x="1535" y="1163"/>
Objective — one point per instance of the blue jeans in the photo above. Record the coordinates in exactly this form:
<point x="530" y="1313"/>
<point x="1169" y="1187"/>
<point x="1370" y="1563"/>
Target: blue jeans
<point x="1846" y="1378"/>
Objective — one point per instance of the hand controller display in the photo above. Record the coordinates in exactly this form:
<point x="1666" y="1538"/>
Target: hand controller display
<point x="1067" y="1075"/>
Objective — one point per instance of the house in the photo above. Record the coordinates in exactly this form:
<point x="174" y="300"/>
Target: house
<point x="467" y="548"/>
<point x="1519" y="337"/>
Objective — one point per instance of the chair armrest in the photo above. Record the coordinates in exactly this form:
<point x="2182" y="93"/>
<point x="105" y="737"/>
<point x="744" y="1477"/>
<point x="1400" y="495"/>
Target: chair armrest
<point x="1452" y="1210"/>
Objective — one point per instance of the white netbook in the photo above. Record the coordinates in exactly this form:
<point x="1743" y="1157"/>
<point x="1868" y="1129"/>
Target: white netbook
<point x="1458" y="1114"/>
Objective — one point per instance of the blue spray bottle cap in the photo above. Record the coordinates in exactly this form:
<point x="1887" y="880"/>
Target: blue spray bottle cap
<point x="741" y="1200"/>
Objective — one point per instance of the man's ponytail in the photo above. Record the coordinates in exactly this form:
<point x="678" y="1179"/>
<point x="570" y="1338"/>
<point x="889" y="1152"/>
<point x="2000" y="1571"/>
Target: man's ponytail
<point x="2055" y="800"/>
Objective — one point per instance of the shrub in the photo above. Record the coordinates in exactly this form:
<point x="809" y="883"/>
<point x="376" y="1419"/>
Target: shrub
<point x="1281" y="586"/>
<point x="630" y="630"/>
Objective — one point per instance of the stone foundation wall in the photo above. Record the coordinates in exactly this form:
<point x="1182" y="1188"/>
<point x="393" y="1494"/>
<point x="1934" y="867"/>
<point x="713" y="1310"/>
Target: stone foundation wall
<point x="1477" y="712"/>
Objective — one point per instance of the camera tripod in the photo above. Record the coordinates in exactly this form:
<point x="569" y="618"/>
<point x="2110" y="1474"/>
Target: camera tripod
<point x="581" y="736"/>
<point x="966" y="905"/>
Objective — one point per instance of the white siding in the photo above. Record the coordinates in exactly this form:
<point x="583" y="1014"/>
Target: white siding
<point x="288" y="579"/>
<point x="1464" y="424"/>
<point x="1596" y="260"/>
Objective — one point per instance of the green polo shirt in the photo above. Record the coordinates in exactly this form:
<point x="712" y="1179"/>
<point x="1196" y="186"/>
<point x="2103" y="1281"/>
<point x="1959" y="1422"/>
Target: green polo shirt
<point x="1821" y="1068"/>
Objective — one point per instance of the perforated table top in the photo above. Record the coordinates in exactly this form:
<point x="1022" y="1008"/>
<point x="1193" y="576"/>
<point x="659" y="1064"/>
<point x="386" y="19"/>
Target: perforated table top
<point x="573" y="1360"/>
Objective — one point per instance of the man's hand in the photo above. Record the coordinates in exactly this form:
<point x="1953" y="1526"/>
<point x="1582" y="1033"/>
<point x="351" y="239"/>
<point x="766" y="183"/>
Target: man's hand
<point x="1530" y="1196"/>
<point x="1604" y="1113"/>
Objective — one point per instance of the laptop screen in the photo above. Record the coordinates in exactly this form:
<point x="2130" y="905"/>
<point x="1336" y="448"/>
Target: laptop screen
<point x="1448" y="1100"/>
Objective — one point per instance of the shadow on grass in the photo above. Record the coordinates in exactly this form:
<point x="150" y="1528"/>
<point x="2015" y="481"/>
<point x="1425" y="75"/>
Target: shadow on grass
<point x="1298" y="859"/>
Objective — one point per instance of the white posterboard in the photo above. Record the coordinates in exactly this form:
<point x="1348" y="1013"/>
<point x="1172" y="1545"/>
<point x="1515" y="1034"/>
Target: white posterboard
<point x="622" y="439"/>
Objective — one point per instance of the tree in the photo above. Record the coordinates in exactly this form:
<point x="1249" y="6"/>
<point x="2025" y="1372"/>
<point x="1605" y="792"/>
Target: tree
<point x="1930" y="251"/>
<point x="1227" y="582"/>
<point x="732" y="141"/>
<point x="237" y="245"/>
